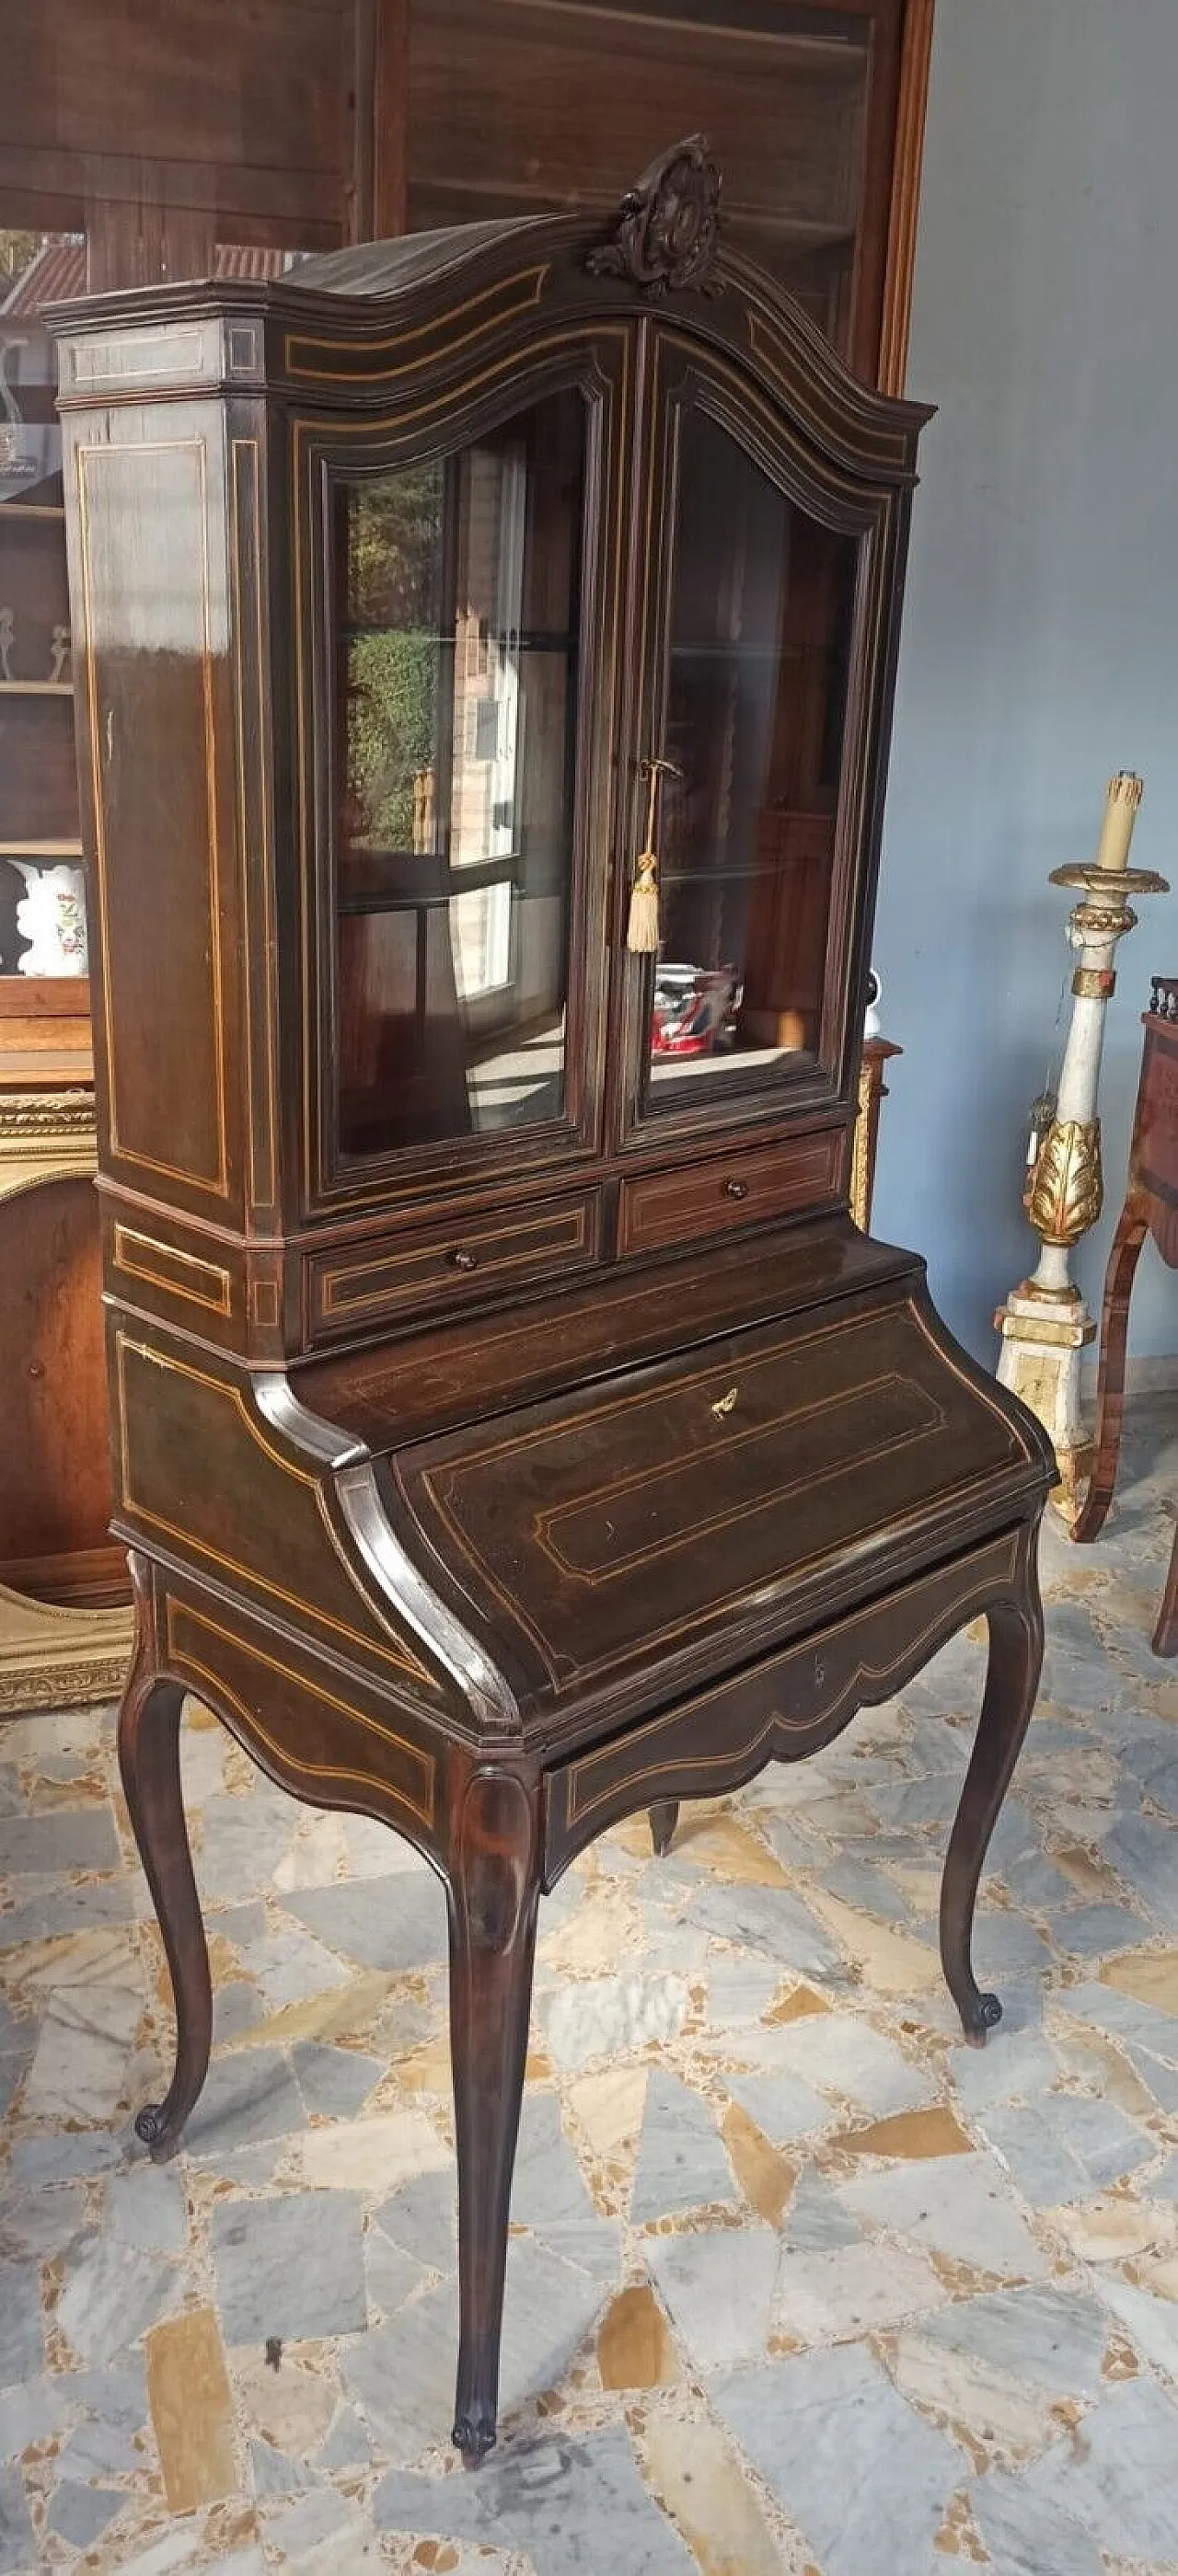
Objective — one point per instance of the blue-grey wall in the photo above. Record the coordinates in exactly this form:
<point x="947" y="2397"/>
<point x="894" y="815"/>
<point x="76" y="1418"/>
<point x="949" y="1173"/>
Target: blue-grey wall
<point x="1040" y="650"/>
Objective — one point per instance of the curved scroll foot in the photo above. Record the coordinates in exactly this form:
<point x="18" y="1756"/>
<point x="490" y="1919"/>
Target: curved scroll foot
<point x="1012" y="1680"/>
<point x="158" y="2132"/>
<point x="474" y="2436"/>
<point x="664" y="1816"/>
<point x="493" y="1894"/>
<point x="149" y="1760"/>
<point x="985" y="2016"/>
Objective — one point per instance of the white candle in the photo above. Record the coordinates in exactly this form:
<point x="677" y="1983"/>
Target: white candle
<point x="1120" y="815"/>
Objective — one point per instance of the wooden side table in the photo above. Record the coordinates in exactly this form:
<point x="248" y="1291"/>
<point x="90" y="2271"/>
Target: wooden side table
<point x="1151" y="1207"/>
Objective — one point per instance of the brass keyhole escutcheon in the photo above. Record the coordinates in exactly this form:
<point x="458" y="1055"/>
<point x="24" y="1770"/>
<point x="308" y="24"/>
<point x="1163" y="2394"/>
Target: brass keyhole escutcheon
<point x="726" y="1403"/>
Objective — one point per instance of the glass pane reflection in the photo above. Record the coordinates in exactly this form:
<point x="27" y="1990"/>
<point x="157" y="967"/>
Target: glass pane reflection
<point x="761" y="604"/>
<point x="457" y="675"/>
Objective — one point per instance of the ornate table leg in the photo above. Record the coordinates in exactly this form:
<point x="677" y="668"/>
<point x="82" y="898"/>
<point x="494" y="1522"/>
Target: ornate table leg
<point x="1165" y="1635"/>
<point x="1012" y="1680"/>
<point x="493" y="1895"/>
<point x="1132" y="1228"/>
<point x="149" y="1760"/>
<point x="664" y="1816"/>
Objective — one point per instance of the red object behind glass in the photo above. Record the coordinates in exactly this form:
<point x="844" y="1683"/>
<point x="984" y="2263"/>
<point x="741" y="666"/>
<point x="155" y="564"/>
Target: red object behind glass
<point x="691" y="1006"/>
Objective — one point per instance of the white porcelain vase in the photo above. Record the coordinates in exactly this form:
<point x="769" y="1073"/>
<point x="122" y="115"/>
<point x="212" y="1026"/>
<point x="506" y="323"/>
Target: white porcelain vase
<point x="52" y="914"/>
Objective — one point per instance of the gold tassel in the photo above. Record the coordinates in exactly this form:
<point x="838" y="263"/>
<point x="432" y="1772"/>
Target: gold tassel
<point x="642" y="928"/>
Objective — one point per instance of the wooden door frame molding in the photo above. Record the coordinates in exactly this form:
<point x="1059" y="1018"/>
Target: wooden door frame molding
<point x="907" y="165"/>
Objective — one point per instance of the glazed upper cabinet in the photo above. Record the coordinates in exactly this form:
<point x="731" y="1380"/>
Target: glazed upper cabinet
<point x="481" y="767"/>
<point x="757" y="563"/>
<point x="460" y="705"/>
<point x="471" y="588"/>
<point x="468" y="725"/>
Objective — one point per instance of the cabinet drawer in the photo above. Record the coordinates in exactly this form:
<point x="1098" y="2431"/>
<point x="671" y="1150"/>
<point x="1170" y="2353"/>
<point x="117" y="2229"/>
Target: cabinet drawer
<point x="728" y="1191"/>
<point x="450" y="1265"/>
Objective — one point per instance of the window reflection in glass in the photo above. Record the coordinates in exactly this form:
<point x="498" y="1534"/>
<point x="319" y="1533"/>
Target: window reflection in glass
<point x="761" y="602"/>
<point x="457" y="670"/>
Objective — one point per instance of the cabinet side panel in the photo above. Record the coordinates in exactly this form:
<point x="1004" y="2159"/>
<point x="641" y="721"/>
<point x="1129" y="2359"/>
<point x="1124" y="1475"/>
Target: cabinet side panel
<point x="151" y="566"/>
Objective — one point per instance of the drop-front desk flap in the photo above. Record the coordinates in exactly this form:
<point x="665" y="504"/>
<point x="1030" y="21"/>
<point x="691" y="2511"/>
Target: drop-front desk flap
<point x="658" y="1523"/>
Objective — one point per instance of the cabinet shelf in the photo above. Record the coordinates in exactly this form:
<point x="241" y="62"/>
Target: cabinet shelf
<point x="422" y="882"/>
<point x="727" y="873"/>
<point x="528" y="640"/>
<point x="454" y="199"/>
<point x="731" y="649"/>
<point x="32" y="510"/>
<point x="31" y="849"/>
<point x="36" y="688"/>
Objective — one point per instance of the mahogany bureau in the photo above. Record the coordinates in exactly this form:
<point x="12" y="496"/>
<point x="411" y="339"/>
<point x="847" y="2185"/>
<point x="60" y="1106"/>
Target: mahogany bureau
<point x="487" y="644"/>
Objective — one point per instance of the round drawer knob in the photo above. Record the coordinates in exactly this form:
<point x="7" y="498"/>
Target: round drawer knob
<point x="736" y="1189"/>
<point x="462" y="1260"/>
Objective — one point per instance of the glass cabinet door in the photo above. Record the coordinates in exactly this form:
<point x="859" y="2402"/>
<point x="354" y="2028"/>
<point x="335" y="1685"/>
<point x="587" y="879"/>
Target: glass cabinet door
<point x="756" y="612"/>
<point x="456" y="683"/>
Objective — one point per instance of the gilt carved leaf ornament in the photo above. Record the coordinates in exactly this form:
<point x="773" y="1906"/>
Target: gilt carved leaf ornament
<point x="1067" y="1192"/>
<point x="668" y="228"/>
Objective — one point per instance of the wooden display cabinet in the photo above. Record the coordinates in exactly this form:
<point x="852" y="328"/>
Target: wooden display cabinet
<point x="133" y="162"/>
<point x="512" y="1428"/>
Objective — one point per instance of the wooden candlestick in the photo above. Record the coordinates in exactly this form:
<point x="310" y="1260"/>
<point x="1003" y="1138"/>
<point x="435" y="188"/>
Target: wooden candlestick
<point x="1044" y="1322"/>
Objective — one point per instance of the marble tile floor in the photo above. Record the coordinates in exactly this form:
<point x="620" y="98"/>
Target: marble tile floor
<point x="797" y="2281"/>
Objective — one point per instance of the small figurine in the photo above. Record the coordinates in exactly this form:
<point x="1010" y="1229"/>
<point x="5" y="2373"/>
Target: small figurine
<point x="7" y="638"/>
<point x="59" y="654"/>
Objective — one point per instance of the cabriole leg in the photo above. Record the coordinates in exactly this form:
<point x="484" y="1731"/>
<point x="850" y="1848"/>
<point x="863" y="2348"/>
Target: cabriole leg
<point x="664" y="1816"/>
<point x="1012" y="1680"/>
<point x="149" y="1760"/>
<point x="493" y="1896"/>
<point x="1165" y="1635"/>
<point x="1110" y="1385"/>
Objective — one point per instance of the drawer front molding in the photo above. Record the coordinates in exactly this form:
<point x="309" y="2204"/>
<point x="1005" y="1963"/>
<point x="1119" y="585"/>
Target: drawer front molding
<point x="722" y="1193"/>
<point x="450" y="1265"/>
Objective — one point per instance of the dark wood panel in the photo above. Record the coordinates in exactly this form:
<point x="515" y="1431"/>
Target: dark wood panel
<point x="532" y="109"/>
<point x="119" y="77"/>
<point x="55" y="1495"/>
<point x="720" y="1194"/>
<point x="472" y="1258"/>
<point x="245" y="1510"/>
<point x="676" y="1510"/>
<point x="39" y="788"/>
<point x="156" y="659"/>
<point x="164" y="126"/>
<point x="466" y="1370"/>
<point x="343" y="1737"/>
<point x="84" y="1578"/>
<point x="163" y="1267"/>
<point x="788" y="1706"/>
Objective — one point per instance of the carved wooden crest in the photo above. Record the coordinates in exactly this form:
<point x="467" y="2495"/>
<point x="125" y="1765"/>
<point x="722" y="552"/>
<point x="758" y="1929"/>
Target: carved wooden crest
<point x="668" y="228"/>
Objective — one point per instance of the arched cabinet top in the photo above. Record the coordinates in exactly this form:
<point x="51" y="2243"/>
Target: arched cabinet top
<point x="362" y="329"/>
